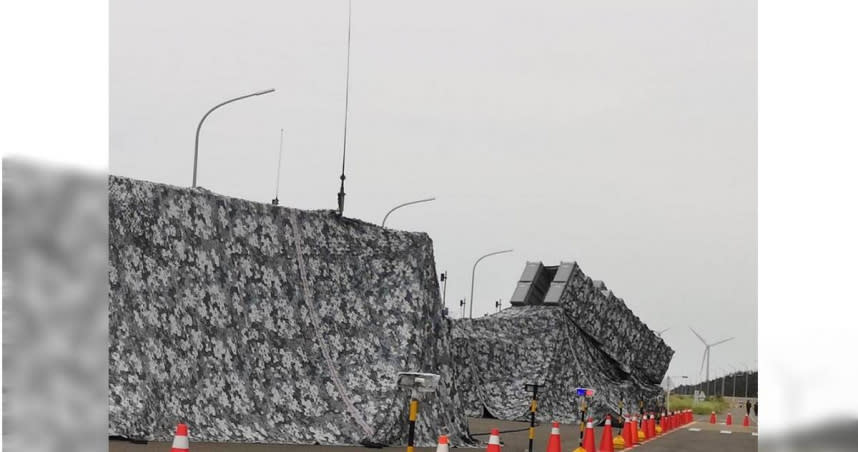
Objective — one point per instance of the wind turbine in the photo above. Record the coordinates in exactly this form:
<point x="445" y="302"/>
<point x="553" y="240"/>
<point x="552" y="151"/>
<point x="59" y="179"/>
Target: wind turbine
<point x="706" y="352"/>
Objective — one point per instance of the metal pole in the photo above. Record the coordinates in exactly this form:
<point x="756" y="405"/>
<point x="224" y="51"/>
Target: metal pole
<point x="533" y="402"/>
<point x="341" y="196"/>
<point x="473" y="272"/>
<point x="276" y="200"/>
<point x="403" y="205"/>
<point x="444" y="296"/>
<point x="733" y="395"/>
<point x="412" y="419"/>
<point x="197" y="139"/>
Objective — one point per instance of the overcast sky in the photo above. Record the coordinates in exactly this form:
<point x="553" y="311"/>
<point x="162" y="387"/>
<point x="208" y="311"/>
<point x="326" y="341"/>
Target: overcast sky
<point x="618" y="134"/>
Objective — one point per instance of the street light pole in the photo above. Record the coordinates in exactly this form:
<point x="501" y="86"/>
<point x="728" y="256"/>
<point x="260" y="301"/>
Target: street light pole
<point x="733" y="394"/>
<point x="668" y="390"/>
<point x="473" y="273"/>
<point x="403" y="205"/>
<point x="197" y="139"/>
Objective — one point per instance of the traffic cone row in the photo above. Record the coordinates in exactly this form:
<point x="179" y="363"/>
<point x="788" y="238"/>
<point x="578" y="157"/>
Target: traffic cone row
<point x="630" y="436"/>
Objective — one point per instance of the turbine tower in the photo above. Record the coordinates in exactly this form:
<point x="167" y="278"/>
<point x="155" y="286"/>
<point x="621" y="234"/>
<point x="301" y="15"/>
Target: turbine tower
<point x="706" y="351"/>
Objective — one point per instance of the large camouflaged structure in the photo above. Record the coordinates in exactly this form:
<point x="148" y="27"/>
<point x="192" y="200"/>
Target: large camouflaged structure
<point x="257" y="323"/>
<point x="564" y="331"/>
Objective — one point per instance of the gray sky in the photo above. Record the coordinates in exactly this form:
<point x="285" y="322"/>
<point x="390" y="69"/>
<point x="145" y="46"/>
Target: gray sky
<point x="621" y="135"/>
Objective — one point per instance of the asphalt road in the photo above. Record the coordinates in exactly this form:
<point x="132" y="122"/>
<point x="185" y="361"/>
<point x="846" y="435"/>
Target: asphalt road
<point x="708" y="438"/>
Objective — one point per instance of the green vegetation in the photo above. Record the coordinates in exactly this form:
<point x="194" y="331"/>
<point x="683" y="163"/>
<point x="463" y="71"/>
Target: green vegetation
<point x="682" y="402"/>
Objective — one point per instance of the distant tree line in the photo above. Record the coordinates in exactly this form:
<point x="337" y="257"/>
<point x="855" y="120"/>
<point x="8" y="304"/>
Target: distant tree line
<point x="738" y="384"/>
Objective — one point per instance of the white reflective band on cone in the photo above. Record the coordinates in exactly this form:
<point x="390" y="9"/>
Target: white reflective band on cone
<point x="589" y="425"/>
<point x="608" y="422"/>
<point x="494" y="440"/>
<point x="555" y="431"/>
<point x="180" y="442"/>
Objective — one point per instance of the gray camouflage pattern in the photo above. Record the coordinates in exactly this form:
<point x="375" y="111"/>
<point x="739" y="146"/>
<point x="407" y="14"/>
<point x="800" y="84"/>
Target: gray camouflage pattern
<point x="591" y="339"/>
<point x="257" y="323"/>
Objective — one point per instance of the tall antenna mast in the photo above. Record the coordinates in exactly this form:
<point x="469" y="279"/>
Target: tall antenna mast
<point x="276" y="200"/>
<point x="341" y="196"/>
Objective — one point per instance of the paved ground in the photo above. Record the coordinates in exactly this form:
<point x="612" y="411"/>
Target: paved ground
<point x="708" y="438"/>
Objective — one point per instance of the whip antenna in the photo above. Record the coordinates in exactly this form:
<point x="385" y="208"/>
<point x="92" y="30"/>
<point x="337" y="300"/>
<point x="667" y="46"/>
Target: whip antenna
<point x="341" y="196"/>
<point x="276" y="201"/>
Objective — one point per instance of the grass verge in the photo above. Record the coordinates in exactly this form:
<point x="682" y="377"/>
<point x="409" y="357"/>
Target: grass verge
<point x="682" y="402"/>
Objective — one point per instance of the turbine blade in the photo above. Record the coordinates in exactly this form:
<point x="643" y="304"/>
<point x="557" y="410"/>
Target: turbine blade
<point x="698" y="336"/>
<point x="721" y="342"/>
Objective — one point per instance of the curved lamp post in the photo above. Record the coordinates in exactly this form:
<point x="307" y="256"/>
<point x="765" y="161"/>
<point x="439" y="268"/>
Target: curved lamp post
<point x="403" y="205"/>
<point x="197" y="139"/>
<point x="473" y="272"/>
<point x="684" y="377"/>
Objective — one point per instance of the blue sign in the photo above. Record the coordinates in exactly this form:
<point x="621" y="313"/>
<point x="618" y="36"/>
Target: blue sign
<point x="585" y="392"/>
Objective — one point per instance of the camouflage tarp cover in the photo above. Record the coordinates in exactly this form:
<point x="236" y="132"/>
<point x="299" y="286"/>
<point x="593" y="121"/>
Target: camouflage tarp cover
<point x="590" y="340"/>
<point x="257" y="323"/>
<point x="621" y="334"/>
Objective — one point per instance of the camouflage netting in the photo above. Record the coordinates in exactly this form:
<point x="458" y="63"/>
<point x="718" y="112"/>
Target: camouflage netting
<point x="257" y="323"/>
<point x="591" y="339"/>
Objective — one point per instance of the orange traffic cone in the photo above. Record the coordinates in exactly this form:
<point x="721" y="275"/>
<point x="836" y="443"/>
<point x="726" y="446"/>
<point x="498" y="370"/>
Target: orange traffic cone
<point x="651" y="425"/>
<point x="645" y="427"/>
<point x="180" y="441"/>
<point x="663" y="422"/>
<point x="627" y="433"/>
<point x="607" y="444"/>
<point x="589" y="437"/>
<point x="746" y="422"/>
<point x="443" y="445"/>
<point x="494" y="441"/>
<point x="554" y="439"/>
<point x="634" y="430"/>
<point x="712" y="419"/>
<point x="729" y="419"/>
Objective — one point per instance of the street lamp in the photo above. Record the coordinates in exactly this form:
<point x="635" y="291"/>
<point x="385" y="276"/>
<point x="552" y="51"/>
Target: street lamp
<point x="403" y="205"/>
<point x="668" y="388"/>
<point x="197" y="139"/>
<point x="473" y="273"/>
